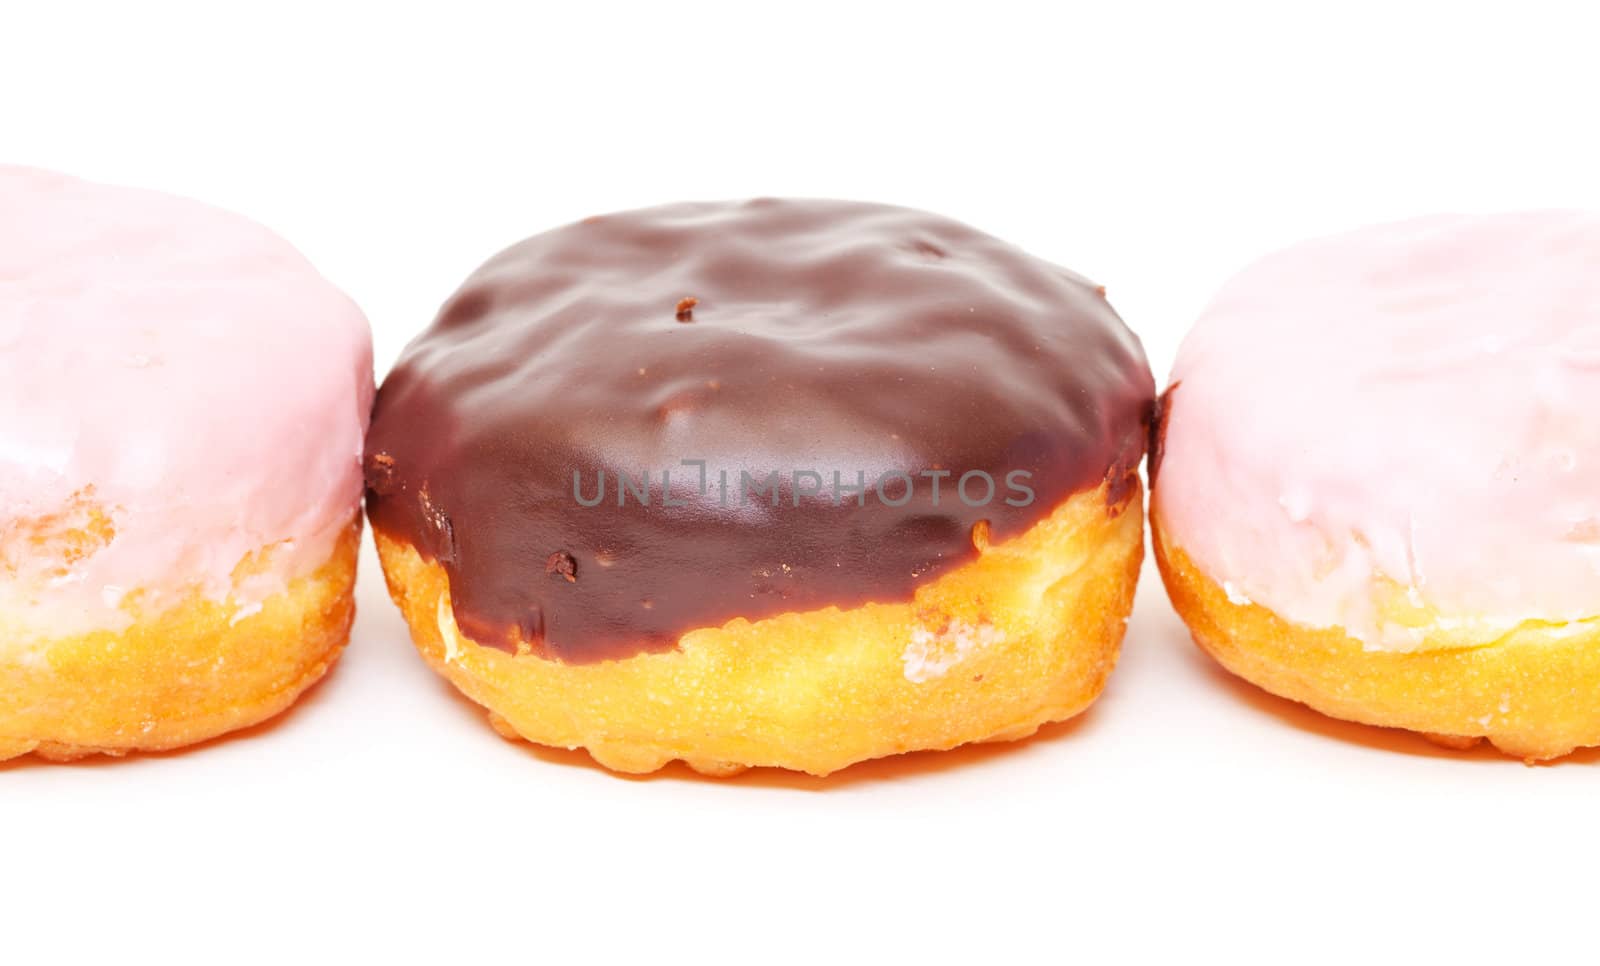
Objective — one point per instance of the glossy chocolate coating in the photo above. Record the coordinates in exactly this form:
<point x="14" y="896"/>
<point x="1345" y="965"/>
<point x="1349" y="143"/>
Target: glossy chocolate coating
<point x="762" y="336"/>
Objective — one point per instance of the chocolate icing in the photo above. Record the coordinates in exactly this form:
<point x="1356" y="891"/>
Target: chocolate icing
<point x="769" y="335"/>
<point x="1158" y="433"/>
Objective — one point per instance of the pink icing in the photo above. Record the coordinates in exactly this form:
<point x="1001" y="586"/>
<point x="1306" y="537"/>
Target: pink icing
<point x="184" y="369"/>
<point x="1397" y="431"/>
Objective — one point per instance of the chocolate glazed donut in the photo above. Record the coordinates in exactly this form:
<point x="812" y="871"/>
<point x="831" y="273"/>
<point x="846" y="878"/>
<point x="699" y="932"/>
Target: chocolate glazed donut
<point x="771" y="406"/>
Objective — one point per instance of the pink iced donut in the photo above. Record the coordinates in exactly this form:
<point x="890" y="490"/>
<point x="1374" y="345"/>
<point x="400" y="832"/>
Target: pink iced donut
<point x="1378" y="490"/>
<point x="182" y="406"/>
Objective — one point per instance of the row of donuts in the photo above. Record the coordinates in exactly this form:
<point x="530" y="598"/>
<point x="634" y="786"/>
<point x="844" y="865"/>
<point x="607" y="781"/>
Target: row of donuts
<point x="790" y="483"/>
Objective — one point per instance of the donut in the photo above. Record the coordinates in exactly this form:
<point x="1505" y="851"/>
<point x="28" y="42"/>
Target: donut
<point x="182" y="405"/>
<point x="1375" y="485"/>
<point x="772" y="483"/>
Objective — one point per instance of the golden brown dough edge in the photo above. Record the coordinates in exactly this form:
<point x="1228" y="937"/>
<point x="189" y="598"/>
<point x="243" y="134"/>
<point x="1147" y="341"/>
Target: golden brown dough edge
<point x="1023" y="635"/>
<point x="189" y="673"/>
<point x="1534" y="693"/>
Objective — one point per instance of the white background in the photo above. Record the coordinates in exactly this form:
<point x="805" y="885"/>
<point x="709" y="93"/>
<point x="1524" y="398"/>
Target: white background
<point x="1156" y="149"/>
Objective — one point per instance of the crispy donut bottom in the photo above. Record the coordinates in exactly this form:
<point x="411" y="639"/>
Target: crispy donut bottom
<point x="1534" y="692"/>
<point x="1023" y="635"/>
<point x="191" y="672"/>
